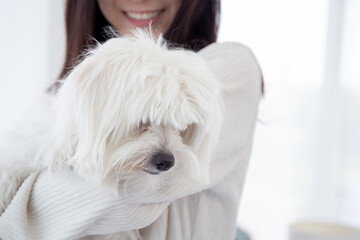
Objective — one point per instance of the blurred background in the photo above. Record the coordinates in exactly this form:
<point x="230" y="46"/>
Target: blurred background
<point x="305" y="163"/>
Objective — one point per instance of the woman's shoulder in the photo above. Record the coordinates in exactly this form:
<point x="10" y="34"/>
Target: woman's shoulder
<point x="233" y="63"/>
<point x="229" y="51"/>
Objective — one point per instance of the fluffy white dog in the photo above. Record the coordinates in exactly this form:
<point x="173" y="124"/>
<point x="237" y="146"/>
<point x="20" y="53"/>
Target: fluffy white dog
<point x="132" y="112"/>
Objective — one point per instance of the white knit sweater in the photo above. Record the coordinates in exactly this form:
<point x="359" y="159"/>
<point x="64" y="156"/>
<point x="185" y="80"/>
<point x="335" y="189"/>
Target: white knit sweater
<point x="63" y="206"/>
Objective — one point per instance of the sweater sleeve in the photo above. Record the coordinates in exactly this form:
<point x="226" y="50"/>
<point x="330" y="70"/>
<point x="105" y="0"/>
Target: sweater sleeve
<point x="62" y="206"/>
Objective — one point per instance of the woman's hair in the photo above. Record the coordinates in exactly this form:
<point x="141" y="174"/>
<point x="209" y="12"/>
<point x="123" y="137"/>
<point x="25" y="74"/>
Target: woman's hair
<point x="195" y="26"/>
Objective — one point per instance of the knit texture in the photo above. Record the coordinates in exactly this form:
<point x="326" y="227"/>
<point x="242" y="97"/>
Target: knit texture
<point x="63" y="206"/>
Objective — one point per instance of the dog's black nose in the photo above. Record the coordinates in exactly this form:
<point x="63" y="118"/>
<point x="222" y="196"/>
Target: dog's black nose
<point x="163" y="161"/>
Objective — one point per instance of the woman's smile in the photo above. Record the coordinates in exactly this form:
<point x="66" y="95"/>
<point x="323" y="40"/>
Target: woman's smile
<point x="126" y="15"/>
<point x="144" y="18"/>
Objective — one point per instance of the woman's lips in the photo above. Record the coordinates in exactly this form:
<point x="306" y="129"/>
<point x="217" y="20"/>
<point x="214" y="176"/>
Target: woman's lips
<point x="143" y="19"/>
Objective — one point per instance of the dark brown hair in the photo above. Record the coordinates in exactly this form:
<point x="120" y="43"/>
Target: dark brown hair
<point x="195" y="26"/>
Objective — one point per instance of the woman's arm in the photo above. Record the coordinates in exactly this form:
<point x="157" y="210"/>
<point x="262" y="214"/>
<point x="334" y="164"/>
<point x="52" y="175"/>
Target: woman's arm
<point x="218" y="206"/>
<point x="211" y="214"/>
<point x="63" y="206"/>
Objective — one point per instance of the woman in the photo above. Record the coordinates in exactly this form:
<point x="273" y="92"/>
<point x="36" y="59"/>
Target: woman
<point x="191" y="24"/>
<point x="63" y="206"/>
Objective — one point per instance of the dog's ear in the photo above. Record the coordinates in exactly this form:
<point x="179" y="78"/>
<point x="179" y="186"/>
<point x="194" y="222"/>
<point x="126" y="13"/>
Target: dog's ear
<point x="203" y="135"/>
<point x="85" y="118"/>
<point x="204" y="138"/>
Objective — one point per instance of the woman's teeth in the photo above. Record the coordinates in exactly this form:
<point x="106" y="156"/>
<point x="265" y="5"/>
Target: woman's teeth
<point x="143" y="16"/>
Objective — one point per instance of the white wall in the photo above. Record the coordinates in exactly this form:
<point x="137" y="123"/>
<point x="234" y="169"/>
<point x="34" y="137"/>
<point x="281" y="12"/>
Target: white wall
<point x="23" y="59"/>
<point x="348" y="110"/>
<point x="306" y="158"/>
<point x="31" y="53"/>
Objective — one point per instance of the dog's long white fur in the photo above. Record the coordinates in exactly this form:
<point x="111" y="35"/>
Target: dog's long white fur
<point x="126" y="99"/>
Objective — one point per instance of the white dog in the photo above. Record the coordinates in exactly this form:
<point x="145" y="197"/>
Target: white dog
<point x="130" y="113"/>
